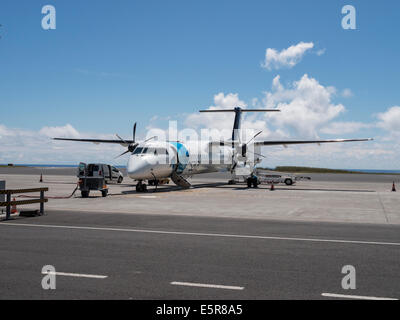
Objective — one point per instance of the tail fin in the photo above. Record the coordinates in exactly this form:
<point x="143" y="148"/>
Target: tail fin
<point x="238" y="118"/>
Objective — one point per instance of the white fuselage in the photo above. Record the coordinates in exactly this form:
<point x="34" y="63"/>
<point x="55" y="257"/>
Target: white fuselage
<point x="156" y="160"/>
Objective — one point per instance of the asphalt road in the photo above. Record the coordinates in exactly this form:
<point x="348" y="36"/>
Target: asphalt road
<point x="169" y="257"/>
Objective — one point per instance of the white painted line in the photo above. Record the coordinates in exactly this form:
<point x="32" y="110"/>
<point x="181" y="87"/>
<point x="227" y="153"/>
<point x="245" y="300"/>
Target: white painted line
<point x="345" y="296"/>
<point x="222" y="235"/>
<point x="204" y="285"/>
<point x="79" y="275"/>
<point x="148" y="197"/>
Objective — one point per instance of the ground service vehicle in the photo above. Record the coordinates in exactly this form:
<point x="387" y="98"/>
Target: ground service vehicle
<point x="95" y="176"/>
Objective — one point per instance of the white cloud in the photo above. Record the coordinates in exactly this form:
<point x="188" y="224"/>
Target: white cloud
<point x="221" y="121"/>
<point x="390" y="120"/>
<point x="305" y="106"/>
<point x="360" y="155"/>
<point x="347" y="93"/>
<point x="287" y="57"/>
<point x="344" y="127"/>
<point x="321" y="52"/>
<point x="66" y="131"/>
<point x="28" y="146"/>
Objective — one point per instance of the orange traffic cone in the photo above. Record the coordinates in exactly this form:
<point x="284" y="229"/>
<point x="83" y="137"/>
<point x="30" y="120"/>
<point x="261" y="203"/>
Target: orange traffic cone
<point x="272" y="187"/>
<point x="41" y="178"/>
<point x="393" y="187"/>
<point x="14" y="207"/>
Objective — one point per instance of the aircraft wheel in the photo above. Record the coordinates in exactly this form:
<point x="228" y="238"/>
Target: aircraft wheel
<point x="85" y="194"/>
<point x="249" y="182"/>
<point x="104" y="193"/>
<point x="141" y="187"/>
<point x="288" y="182"/>
<point x="120" y="179"/>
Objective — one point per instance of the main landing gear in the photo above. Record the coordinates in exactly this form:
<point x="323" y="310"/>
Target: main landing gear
<point x="252" y="182"/>
<point x="141" y="187"/>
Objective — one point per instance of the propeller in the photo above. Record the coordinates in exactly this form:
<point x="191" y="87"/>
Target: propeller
<point x="131" y="146"/>
<point x="244" y="151"/>
<point x="244" y="146"/>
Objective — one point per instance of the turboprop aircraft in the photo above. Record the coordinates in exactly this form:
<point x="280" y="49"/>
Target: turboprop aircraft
<point x="152" y="160"/>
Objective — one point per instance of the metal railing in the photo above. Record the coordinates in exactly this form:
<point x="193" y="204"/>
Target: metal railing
<point x="10" y="203"/>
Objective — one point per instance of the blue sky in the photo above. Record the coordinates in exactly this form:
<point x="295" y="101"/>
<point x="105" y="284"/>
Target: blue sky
<point x="111" y="63"/>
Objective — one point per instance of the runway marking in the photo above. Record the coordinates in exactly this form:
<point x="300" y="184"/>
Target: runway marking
<point x="204" y="285"/>
<point x="221" y="235"/>
<point x="345" y="296"/>
<point x="79" y="275"/>
<point x="148" y="197"/>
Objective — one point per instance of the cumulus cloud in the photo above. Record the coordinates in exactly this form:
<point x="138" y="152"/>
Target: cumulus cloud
<point x="29" y="146"/>
<point x="287" y="57"/>
<point x="66" y="131"/>
<point x="390" y="120"/>
<point x="221" y="121"/>
<point x="360" y="155"/>
<point x="344" y="127"/>
<point x="305" y="105"/>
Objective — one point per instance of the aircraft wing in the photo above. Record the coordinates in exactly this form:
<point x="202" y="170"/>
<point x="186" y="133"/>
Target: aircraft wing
<point x="97" y="141"/>
<point x="287" y="142"/>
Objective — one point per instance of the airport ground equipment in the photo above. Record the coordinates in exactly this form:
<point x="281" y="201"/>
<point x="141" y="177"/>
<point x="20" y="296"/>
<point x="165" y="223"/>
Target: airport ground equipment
<point x="262" y="176"/>
<point x="93" y="176"/>
<point x="8" y="203"/>
<point x="270" y="177"/>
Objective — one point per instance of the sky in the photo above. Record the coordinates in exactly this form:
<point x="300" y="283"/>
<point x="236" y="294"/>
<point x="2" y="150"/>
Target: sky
<point x="108" y="64"/>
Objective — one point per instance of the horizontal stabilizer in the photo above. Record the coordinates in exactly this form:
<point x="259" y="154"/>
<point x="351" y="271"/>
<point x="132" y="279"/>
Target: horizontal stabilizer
<point x="241" y="110"/>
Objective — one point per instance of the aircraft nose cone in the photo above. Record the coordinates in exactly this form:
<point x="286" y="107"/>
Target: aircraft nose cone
<point x="138" y="168"/>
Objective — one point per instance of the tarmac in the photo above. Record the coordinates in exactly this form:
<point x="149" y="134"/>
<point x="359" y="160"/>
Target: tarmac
<point x="358" y="198"/>
<point x="214" y="241"/>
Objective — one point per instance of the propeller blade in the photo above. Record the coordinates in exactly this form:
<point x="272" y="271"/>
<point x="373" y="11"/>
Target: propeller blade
<point x="258" y="154"/>
<point x="253" y="137"/>
<point x="233" y="167"/>
<point x="149" y="139"/>
<point x="134" y="132"/>
<point x="121" y="139"/>
<point x="121" y="154"/>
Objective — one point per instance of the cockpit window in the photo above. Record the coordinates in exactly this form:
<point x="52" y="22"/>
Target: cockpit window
<point x="162" y="151"/>
<point x="156" y="151"/>
<point x="147" y="150"/>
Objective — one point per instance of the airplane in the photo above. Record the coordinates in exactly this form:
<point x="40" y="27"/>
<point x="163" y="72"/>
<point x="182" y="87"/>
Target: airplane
<point x="152" y="160"/>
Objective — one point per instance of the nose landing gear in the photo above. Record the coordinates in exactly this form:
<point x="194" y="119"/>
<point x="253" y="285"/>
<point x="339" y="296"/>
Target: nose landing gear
<point x="141" y="187"/>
